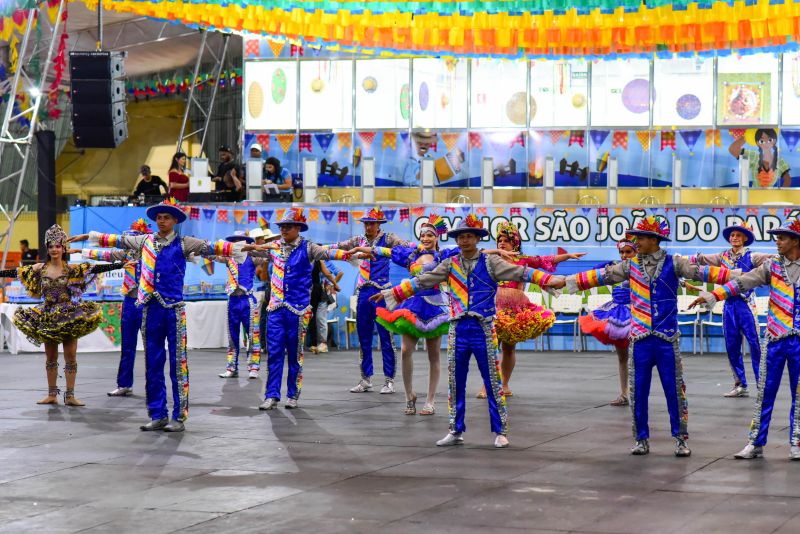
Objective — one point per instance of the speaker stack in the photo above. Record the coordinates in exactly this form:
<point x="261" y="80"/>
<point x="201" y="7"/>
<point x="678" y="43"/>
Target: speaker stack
<point x="97" y="83"/>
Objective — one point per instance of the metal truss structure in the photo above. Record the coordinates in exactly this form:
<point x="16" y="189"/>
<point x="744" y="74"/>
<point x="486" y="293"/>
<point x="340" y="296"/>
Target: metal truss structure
<point x="19" y="124"/>
<point x="191" y="100"/>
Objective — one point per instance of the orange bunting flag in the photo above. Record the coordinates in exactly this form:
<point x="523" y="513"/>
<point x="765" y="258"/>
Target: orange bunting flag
<point x="279" y="213"/>
<point x="357" y="214"/>
<point x="450" y="139"/>
<point x="276" y="47"/>
<point x="344" y="140"/>
<point x="419" y="211"/>
<point x="313" y="215"/>
<point x="238" y="215"/>
<point x="285" y="140"/>
<point x="644" y="139"/>
<point x="713" y="136"/>
<point x="389" y="140"/>
<point x="499" y="210"/>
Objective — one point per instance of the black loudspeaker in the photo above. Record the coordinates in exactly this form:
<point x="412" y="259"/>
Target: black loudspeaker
<point x="99" y="119"/>
<point x="96" y="65"/>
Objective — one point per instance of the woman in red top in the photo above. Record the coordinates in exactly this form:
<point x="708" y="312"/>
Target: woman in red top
<point x="518" y="319"/>
<point x="178" y="179"/>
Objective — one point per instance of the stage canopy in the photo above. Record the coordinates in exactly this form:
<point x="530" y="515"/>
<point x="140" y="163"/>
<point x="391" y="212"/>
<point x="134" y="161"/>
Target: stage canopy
<point x="503" y="28"/>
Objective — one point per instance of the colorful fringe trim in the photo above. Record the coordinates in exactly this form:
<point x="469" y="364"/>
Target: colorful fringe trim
<point x="515" y="28"/>
<point x="404" y="322"/>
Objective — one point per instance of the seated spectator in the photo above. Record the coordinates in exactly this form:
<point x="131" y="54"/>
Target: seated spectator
<point x="277" y="175"/>
<point x="178" y="178"/>
<point x="149" y="185"/>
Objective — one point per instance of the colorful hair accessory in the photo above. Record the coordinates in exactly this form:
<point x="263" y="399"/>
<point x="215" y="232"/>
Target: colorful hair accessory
<point x="437" y="223"/>
<point x="510" y="232"/>
<point x="794" y="226"/>
<point x="655" y="224"/>
<point x="141" y="226"/>
<point x="628" y="241"/>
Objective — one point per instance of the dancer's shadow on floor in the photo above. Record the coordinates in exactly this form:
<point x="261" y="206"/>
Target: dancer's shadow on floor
<point x="239" y="396"/>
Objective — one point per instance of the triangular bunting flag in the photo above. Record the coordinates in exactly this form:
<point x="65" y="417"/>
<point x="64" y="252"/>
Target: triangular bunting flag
<point x="328" y="215"/>
<point x="367" y="138"/>
<point x="450" y="139"/>
<point x="324" y="140"/>
<point x="713" y="137"/>
<point x="555" y="135"/>
<point x="644" y="139"/>
<point x="578" y="137"/>
<point x="276" y="47"/>
<point x="475" y="140"/>
<point x="304" y="142"/>
<point x="313" y="215"/>
<point x="598" y="137"/>
<point x="285" y="141"/>
<point x="238" y="215"/>
<point x="791" y="138"/>
<point x="222" y="216"/>
<point x="667" y="139"/>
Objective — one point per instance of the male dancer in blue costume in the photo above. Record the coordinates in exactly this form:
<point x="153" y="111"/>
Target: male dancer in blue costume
<point x="472" y="278"/>
<point x="739" y="317"/>
<point x="131" y="315"/>
<point x="289" y="309"/>
<point x="242" y="310"/>
<point x="655" y="337"/>
<point x="160" y="294"/>
<point x="781" y="345"/>
<point x="373" y="276"/>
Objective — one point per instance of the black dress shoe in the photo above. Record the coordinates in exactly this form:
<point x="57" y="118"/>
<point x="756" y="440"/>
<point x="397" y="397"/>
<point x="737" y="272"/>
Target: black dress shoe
<point x="155" y="424"/>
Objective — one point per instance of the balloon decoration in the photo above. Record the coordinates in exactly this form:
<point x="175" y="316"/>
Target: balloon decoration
<point x="636" y="96"/>
<point x="688" y="107"/>
<point x="513" y="28"/>
<point x="423" y="95"/>
<point x="369" y="84"/>
<point x="278" y="86"/>
<point x="405" y="102"/>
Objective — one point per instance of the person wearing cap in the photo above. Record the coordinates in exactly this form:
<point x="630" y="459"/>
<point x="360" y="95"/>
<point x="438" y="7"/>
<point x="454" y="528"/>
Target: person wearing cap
<point x="472" y="278"/>
<point x="242" y="310"/>
<point x="160" y="294"/>
<point x="424" y="141"/>
<point x="256" y="150"/>
<point x="739" y="317"/>
<point x="373" y="276"/>
<point x="654" y="278"/>
<point x="289" y="310"/>
<point x="131" y="314"/>
<point x="149" y="185"/>
<point x="781" y="346"/>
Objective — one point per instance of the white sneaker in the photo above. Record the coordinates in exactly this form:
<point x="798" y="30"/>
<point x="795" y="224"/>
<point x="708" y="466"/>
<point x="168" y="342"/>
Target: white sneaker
<point x="795" y="453"/>
<point x="451" y="439"/>
<point x="253" y="374"/>
<point x="738" y="391"/>
<point x="120" y="392"/>
<point x="269" y="404"/>
<point x="681" y="449"/>
<point x="388" y="387"/>
<point x="290" y="404"/>
<point x="229" y="374"/>
<point x="322" y="347"/>
<point x="501" y="441"/>
<point x="362" y="387"/>
<point x="749" y="452"/>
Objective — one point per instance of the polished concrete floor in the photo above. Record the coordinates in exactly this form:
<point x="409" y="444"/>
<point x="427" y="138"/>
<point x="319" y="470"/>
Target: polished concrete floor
<point x="354" y="463"/>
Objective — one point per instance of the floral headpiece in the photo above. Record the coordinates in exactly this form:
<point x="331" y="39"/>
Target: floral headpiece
<point x="141" y="226"/>
<point x="55" y="234"/>
<point x="510" y="232"/>
<point x="794" y="226"/>
<point x="297" y="215"/>
<point x="437" y="223"/>
<point x="655" y="224"/>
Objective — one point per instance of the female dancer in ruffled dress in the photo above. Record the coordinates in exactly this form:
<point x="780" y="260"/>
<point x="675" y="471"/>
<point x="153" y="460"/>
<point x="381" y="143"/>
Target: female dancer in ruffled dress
<point x="611" y="322"/>
<point x="518" y="319"/>
<point x="423" y="316"/>
<point x="62" y="318"/>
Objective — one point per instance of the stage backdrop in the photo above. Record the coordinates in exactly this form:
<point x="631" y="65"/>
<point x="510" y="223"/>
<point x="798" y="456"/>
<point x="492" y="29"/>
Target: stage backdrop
<point x="544" y="231"/>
